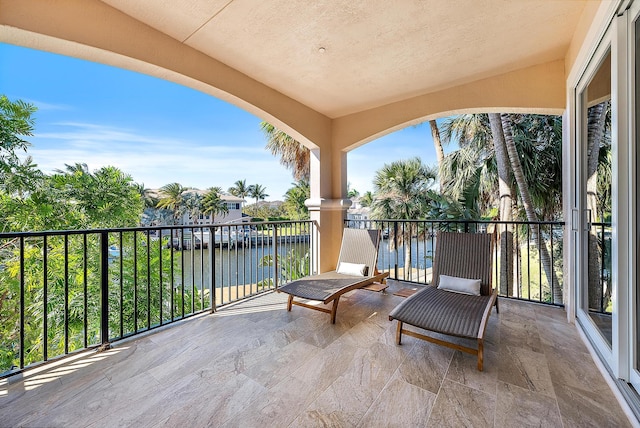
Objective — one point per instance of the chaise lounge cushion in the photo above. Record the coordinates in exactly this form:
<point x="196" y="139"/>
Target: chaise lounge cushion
<point x="440" y="311"/>
<point x="353" y="269"/>
<point x="460" y="285"/>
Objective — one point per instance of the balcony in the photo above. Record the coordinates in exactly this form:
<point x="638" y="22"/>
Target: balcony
<point x="147" y="293"/>
<point x="255" y="364"/>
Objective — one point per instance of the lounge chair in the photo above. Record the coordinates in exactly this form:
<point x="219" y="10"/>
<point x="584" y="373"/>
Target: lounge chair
<point x="460" y="260"/>
<point x="357" y="268"/>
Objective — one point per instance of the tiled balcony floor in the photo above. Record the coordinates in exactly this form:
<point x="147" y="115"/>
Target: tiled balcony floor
<point x="256" y="365"/>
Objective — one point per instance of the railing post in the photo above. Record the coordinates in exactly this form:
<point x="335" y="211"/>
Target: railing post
<point x="395" y="245"/>
<point x="22" y="303"/>
<point x="276" y="272"/>
<point x="212" y="268"/>
<point x="104" y="291"/>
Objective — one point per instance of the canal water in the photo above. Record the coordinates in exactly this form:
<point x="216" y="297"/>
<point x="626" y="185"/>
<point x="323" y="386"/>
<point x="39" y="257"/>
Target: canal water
<point x="243" y="265"/>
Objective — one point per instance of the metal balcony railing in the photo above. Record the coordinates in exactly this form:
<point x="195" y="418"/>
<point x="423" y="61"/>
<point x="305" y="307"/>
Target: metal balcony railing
<point x="65" y="291"/>
<point x="527" y="260"/>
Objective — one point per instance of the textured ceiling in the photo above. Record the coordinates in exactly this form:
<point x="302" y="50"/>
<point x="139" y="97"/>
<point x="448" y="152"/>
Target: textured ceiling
<point x="373" y="51"/>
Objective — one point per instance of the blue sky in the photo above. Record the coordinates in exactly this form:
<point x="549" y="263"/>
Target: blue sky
<point x="160" y="132"/>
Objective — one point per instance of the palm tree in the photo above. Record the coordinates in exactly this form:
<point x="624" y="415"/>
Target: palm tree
<point x="401" y="192"/>
<point x="239" y="189"/>
<point x="293" y="155"/>
<point x="525" y="197"/>
<point x="294" y="200"/>
<point x="190" y="203"/>
<point x="170" y="197"/>
<point x="437" y="144"/>
<point x="598" y="119"/>
<point x="213" y="204"/>
<point x="366" y="199"/>
<point x="505" y="207"/>
<point x="468" y="174"/>
<point x="21" y="178"/>
<point x="481" y="170"/>
<point x="258" y="192"/>
<point x="148" y="197"/>
<point x="15" y="121"/>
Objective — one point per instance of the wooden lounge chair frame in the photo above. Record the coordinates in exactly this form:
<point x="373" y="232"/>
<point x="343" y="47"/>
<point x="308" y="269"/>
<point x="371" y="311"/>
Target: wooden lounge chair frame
<point x="359" y="246"/>
<point x="466" y="255"/>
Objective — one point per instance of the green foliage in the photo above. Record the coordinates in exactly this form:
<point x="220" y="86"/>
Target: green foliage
<point x="293" y="155"/>
<point x="150" y="294"/>
<point x="443" y="207"/>
<point x="401" y="190"/>
<point x="106" y="198"/>
<point x="213" y="204"/>
<point x="367" y="199"/>
<point x="470" y="173"/>
<point x="292" y="265"/>
<point x="258" y="192"/>
<point x="265" y="211"/>
<point x="16" y="121"/>
<point x="294" y="200"/>
<point x="239" y="189"/>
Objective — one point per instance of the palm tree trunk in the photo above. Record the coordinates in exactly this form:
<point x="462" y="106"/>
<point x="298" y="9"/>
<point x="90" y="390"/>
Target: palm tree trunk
<point x="516" y="166"/>
<point x="407" y="259"/>
<point x="437" y="143"/>
<point x="595" y="132"/>
<point x="506" y="205"/>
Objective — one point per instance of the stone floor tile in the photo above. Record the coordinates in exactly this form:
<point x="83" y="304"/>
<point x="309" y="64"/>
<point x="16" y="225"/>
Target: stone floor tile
<point x="400" y="404"/>
<point x="517" y="407"/>
<point x="460" y="406"/>
<point x="526" y="369"/>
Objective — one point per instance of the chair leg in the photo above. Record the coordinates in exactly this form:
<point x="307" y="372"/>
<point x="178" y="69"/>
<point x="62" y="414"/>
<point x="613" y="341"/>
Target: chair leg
<point x="480" y="354"/>
<point x="334" y="309"/>
<point x="399" y="333"/>
<point x="289" y="302"/>
<point x="497" y="306"/>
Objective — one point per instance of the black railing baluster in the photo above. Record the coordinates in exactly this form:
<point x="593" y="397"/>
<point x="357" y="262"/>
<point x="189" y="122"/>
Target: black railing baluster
<point x="172" y="280"/>
<point x="135" y="282"/>
<point x="45" y="293"/>
<point x="202" y="268"/>
<point x="148" y="250"/>
<point x="275" y="257"/>
<point x="602" y="266"/>
<point x="540" y="267"/>
<point x="235" y="249"/>
<point x="395" y="245"/>
<point x="121" y="280"/>
<point x="529" y="262"/>
<point x="85" y="302"/>
<point x="66" y="294"/>
<point x="552" y="261"/>
<point x="104" y="289"/>
<point x="22" y="302"/>
<point x="212" y="272"/>
<point x="192" y="258"/>
<point x="160" y="283"/>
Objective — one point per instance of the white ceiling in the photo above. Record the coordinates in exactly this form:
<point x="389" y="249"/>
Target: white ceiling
<point x="375" y="51"/>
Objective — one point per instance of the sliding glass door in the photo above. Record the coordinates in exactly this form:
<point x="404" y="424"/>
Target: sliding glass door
<point x="594" y="187"/>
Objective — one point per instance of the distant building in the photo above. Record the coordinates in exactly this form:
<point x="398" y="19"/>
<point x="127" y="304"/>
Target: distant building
<point x="359" y="214"/>
<point x="234" y="205"/>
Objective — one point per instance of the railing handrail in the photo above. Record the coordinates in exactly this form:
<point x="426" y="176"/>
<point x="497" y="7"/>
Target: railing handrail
<point x="143" y="228"/>
<point x="482" y="221"/>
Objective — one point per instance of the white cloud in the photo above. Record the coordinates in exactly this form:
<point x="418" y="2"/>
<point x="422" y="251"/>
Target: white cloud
<point x="41" y="105"/>
<point x="156" y="161"/>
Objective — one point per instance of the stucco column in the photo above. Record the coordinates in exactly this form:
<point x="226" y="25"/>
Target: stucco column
<point x="328" y="204"/>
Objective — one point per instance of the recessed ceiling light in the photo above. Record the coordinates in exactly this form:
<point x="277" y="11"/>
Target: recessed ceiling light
<point x="322" y="50"/>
